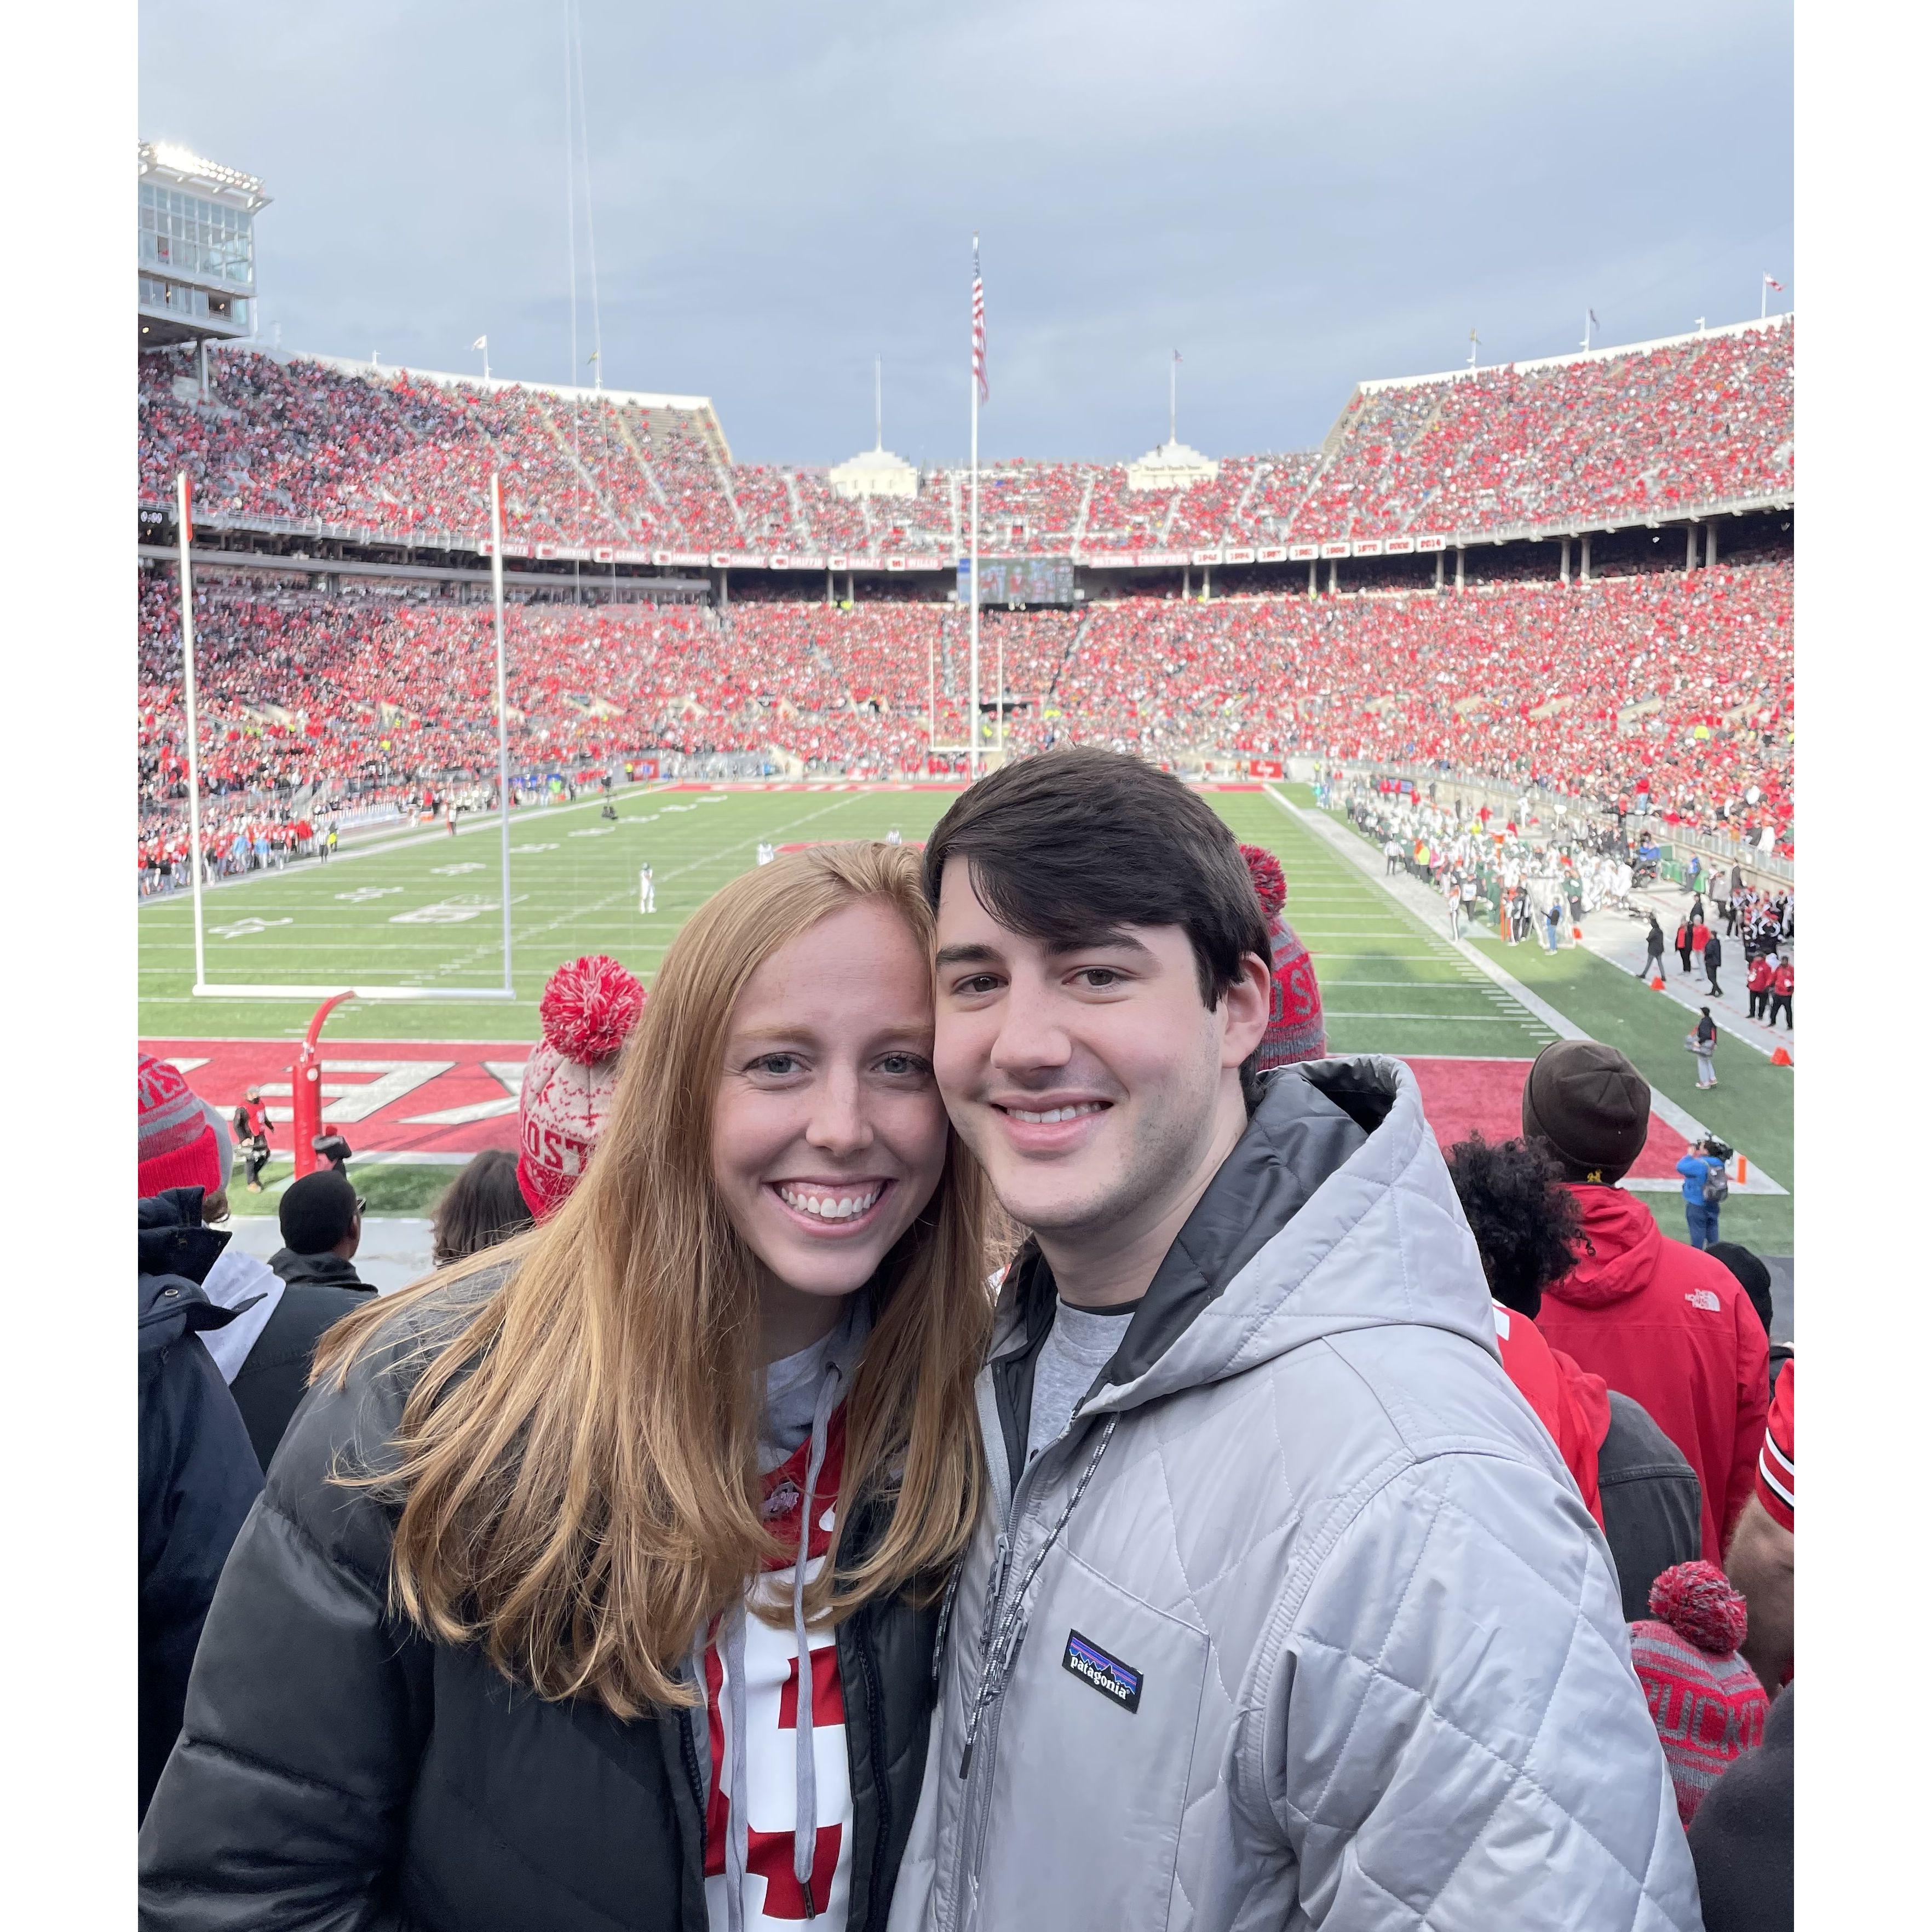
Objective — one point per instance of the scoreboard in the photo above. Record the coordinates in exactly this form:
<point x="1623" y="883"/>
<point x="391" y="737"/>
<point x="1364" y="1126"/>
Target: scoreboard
<point x="1020" y="579"/>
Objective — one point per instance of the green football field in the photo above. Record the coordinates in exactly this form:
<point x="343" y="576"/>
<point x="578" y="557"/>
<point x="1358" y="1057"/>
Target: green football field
<point x="424" y="910"/>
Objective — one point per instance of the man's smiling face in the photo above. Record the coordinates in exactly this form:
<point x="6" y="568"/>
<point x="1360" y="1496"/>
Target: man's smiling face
<point x="1088" y="1077"/>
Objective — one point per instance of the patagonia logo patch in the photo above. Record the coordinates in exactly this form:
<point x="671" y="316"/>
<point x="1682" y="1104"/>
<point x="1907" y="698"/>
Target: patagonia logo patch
<point x="1108" y="1674"/>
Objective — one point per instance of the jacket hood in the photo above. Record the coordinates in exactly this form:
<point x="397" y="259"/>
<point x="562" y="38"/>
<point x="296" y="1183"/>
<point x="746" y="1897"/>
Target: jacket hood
<point x="172" y="1239"/>
<point x="1335" y="1212"/>
<point x="309" y="1270"/>
<point x="1620" y="1241"/>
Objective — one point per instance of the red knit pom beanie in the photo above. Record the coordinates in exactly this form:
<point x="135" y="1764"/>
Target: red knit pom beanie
<point x="175" y="1143"/>
<point x="1295" y="1030"/>
<point x="1705" y="1701"/>
<point x="589" y="1007"/>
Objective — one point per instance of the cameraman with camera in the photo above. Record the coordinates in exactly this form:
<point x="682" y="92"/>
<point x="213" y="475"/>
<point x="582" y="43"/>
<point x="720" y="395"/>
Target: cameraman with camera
<point x="1706" y="1187"/>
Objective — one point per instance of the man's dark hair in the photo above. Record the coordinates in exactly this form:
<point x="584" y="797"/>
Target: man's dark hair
<point x="1525" y="1222"/>
<point x="316" y="1212"/>
<point x="482" y="1206"/>
<point x="1754" y="1277"/>
<point x="1070" y="844"/>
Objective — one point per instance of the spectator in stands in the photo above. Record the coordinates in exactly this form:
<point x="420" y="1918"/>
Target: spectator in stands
<point x="321" y="1217"/>
<point x="313" y="1286"/>
<point x="1708" y="1705"/>
<point x="589" y="1007"/>
<point x="198" y="1477"/>
<point x="1663" y="1324"/>
<point x="1741" y="1836"/>
<point x="481" y="1207"/>
<point x="1643" y="1492"/>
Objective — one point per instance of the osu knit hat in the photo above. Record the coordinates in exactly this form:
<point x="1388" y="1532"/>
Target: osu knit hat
<point x="587" y="1009"/>
<point x="1704" y="1700"/>
<point x="175" y="1145"/>
<point x="1295" y="1030"/>
<point x="1590" y="1106"/>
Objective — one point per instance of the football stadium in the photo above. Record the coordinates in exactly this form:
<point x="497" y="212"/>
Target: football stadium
<point x="1132" y="1113"/>
<point x="1551" y="601"/>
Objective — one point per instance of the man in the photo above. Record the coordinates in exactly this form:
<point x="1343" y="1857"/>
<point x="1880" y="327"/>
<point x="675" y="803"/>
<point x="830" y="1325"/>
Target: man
<point x="1714" y="958"/>
<point x="1682" y="943"/>
<point x="251" y="1126"/>
<point x="1703" y="1169"/>
<point x="1704" y="1046"/>
<point x="1261" y="1501"/>
<point x="1784" y="984"/>
<point x="1553" y="924"/>
<point x="647" y="891"/>
<point x="1653" y="951"/>
<point x="1660" y="1322"/>
<point x="321" y="1217"/>
<point x="1758" y="983"/>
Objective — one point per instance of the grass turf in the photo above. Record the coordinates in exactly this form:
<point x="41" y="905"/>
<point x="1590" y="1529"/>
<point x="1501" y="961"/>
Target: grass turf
<point x="424" y="909"/>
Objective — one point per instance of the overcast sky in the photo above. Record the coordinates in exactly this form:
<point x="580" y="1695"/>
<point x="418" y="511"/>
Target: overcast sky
<point x="1295" y="196"/>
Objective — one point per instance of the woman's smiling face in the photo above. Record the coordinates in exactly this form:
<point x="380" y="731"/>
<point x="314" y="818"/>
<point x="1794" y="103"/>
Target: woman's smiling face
<point x="828" y="1135"/>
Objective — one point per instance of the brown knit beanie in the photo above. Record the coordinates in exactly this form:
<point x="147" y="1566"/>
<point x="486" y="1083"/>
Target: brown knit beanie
<point x="1589" y="1106"/>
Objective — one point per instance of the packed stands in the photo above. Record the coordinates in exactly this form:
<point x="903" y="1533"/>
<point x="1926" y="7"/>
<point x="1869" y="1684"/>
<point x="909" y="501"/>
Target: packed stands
<point x="1585" y="441"/>
<point x="1680" y="685"/>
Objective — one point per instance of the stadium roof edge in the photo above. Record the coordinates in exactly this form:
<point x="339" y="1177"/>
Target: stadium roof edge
<point x="1755" y="325"/>
<point x="639" y="398"/>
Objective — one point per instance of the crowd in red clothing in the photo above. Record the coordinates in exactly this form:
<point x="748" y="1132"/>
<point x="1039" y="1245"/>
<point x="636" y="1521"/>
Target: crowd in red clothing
<point x="1675" y="686"/>
<point x="1587" y="440"/>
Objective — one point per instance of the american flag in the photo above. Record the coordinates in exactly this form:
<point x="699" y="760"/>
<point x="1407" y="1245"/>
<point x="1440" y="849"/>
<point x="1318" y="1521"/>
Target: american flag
<point x="979" y="325"/>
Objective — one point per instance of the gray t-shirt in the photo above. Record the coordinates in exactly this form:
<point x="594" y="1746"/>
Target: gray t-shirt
<point x="1080" y="1343"/>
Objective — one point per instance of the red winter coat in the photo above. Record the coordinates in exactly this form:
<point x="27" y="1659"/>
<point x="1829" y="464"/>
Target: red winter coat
<point x="1571" y="1404"/>
<point x="1670" y="1328"/>
<point x="1759" y="981"/>
<point x="1784" y="980"/>
<point x="1699" y="933"/>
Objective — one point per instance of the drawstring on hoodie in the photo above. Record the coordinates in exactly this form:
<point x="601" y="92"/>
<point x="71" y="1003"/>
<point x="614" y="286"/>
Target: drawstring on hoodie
<point x="805" y="1814"/>
<point x="1001" y="1652"/>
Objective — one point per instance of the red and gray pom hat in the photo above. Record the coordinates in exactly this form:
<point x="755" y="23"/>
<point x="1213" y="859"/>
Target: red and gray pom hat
<point x="175" y="1145"/>
<point x="1295" y="1029"/>
<point x="1704" y="1700"/>
<point x="589" y="1007"/>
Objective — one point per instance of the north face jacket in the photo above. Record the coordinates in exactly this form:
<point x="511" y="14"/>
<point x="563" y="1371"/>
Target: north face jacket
<point x="338" y="1771"/>
<point x="1302" y="1622"/>
<point x="1672" y="1329"/>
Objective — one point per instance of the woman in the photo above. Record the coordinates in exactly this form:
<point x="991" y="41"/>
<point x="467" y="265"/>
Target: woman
<point x="514" y="1639"/>
<point x="481" y="1207"/>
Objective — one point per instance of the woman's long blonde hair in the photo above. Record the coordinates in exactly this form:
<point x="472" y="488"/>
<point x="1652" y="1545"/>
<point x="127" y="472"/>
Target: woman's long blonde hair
<point x="576" y="1466"/>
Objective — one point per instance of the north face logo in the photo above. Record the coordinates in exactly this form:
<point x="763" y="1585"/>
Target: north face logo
<point x="1703" y="1298"/>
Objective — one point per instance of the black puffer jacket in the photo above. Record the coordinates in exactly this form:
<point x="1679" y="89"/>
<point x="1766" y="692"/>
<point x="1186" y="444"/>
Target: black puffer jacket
<point x="337" y="1770"/>
<point x="198" y="1476"/>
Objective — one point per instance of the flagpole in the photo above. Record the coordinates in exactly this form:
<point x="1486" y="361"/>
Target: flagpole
<point x="184" y="532"/>
<point x="972" y="551"/>
<point x="1763" y="297"/>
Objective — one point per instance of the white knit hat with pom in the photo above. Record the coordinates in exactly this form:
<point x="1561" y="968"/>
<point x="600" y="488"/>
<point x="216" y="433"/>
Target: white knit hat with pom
<point x="589" y="1007"/>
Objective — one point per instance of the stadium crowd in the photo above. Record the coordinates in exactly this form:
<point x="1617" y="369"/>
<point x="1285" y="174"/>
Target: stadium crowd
<point x="1627" y="434"/>
<point x="1672" y="690"/>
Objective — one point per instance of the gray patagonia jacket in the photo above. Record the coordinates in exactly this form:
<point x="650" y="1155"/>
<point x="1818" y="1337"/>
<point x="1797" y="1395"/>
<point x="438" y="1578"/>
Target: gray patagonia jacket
<point x="1302" y="1622"/>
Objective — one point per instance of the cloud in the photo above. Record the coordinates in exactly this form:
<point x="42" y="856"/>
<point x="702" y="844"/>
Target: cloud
<point x="1297" y="196"/>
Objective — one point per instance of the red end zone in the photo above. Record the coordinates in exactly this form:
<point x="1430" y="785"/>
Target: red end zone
<point x="408" y="1096"/>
